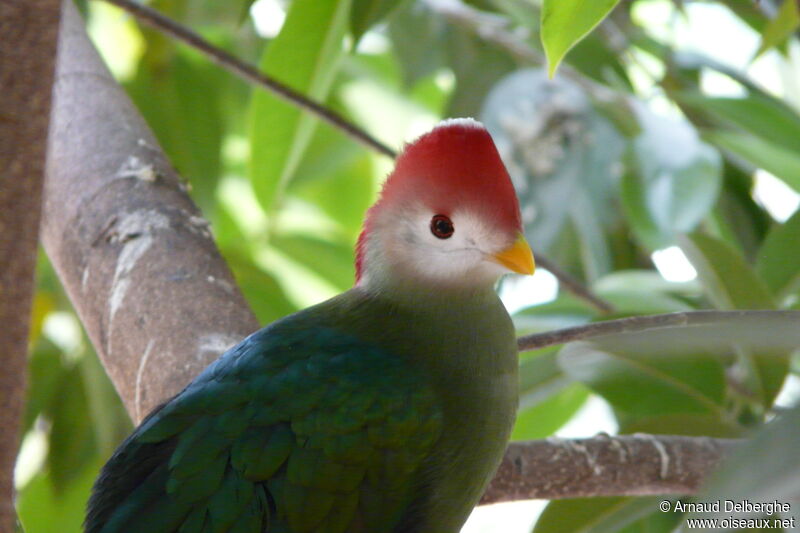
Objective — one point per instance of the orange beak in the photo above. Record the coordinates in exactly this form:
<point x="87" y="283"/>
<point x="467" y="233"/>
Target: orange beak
<point x="518" y="257"/>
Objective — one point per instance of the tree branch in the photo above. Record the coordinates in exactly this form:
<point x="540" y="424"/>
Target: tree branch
<point x="132" y="250"/>
<point x="637" y="465"/>
<point x="28" y="33"/>
<point x="642" y="323"/>
<point x="249" y="73"/>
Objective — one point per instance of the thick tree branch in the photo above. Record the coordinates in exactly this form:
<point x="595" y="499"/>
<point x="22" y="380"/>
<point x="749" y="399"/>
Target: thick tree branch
<point x="249" y="73"/>
<point x="635" y="465"/>
<point x="252" y="75"/>
<point x="132" y="250"/>
<point x="28" y="37"/>
<point x="159" y="303"/>
<point x="642" y="323"/>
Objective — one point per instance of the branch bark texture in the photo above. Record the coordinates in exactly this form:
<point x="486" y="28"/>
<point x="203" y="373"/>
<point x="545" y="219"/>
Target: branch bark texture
<point x="159" y="303"/>
<point x="133" y="252"/>
<point x="637" y="465"/>
<point x="28" y="37"/>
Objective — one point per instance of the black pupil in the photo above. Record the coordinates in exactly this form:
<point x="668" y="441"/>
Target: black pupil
<point x="441" y="227"/>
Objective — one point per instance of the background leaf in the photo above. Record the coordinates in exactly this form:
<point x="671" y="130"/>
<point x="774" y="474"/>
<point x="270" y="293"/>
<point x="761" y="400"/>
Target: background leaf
<point x="565" y="22"/>
<point x="304" y="56"/>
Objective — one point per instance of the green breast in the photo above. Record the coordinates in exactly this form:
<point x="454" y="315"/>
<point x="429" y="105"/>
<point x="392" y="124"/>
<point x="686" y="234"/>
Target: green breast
<point x="464" y="346"/>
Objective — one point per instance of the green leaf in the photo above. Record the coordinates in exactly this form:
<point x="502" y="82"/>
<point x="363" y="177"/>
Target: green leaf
<point x="42" y="509"/>
<point x="542" y="419"/>
<point x="674" y="183"/>
<point x="640" y="376"/>
<point x="305" y="56"/>
<point x="265" y="296"/>
<point x="778" y="260"/>
<point x="782" y="162"/>
<point x="72" y="438"/>
<point x="604" y="515"/>
<point x="757" y="113"/>
<point x="333" y="261"/>
<point x="365" y="13"/>
<point x="729" y="281"/>
<point x="785" y="22"/>
<point x="679" y="369"/>
<point x="565" y="22"/>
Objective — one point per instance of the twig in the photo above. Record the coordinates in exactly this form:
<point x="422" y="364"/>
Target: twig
<point x="634" y="465"/>
<point x="252" y="75"/>
<point x="249" y="73"/>
<point x="641" y="323"/>
<point x="573" y="285"/>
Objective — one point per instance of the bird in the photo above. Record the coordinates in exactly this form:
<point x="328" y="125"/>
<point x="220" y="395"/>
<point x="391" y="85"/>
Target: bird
<point x="386" y="408"/>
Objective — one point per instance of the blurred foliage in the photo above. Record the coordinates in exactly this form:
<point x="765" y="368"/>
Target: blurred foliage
<point x="627" y="151"/>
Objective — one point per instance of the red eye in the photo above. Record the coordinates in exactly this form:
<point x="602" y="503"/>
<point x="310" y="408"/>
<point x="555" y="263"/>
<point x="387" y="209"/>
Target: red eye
<point x="441" y="227"/>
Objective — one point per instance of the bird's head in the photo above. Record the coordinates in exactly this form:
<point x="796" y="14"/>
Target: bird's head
<point x="447" y="216"/>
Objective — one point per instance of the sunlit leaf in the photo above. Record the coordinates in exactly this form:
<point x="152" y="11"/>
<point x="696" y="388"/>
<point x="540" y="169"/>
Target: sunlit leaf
<point x="42" y="509"/>
<point x="305" y="56"/>
<point x="331" y="260"/>
<point x="759" y="114"/>
<point x="565" y="22"/>
<point x="730" y="282"/>
<point x="547" y="416"/>
<point x="782" y="162"/>
<point x="778" y="260"/>
<point x="785" y="22"/>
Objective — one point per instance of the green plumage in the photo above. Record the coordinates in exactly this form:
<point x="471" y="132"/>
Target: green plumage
<point x="361" y="414"/>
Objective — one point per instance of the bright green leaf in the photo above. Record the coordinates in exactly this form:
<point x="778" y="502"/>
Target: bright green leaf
<point x="778" y="260"/>
<point x="305" y="56"/>
<point x="546" y="417"/>
<point x="565" y="22"/>
<point x="782" y="162"/>
<point x="729" y="281"/>
<point x="42" y="509"/>
<point x="332" y="261"/>
<point x="785" y="22"/>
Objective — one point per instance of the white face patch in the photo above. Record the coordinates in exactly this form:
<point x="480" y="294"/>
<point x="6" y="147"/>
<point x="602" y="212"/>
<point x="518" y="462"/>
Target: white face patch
<point x="402" y="245"/>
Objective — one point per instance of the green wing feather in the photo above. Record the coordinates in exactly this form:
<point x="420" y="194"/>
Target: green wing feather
<point x="296" y="429"/>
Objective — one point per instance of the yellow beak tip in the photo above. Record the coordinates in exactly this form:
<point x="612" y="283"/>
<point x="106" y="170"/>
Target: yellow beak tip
<point x="518" y="257"/>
